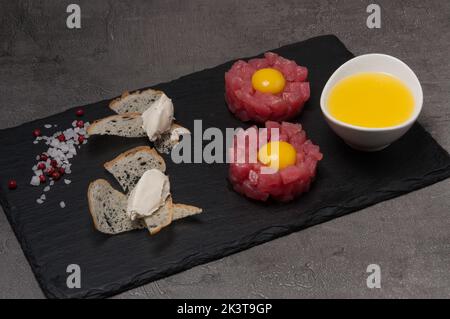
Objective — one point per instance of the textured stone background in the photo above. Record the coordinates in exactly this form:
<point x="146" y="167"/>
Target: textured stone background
<point x="46" y="68"/>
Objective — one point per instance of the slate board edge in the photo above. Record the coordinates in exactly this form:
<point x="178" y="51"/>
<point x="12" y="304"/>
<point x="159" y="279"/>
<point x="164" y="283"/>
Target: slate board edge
<point x="142" y="279"/>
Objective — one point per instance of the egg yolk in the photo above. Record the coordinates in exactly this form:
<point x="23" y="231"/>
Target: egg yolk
<point x="268" y="80"/>
<point x="277" y="155"/>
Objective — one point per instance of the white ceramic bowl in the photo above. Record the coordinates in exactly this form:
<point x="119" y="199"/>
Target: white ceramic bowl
<point x="372" y="139"/>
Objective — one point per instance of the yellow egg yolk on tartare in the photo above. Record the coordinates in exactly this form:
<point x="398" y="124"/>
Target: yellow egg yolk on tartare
<point x="277" y="155"/>
<point x="268" y="80"/>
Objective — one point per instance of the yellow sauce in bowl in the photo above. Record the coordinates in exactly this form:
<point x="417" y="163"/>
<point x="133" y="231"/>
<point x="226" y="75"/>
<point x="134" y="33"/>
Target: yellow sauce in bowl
<point x="371" y="99"/>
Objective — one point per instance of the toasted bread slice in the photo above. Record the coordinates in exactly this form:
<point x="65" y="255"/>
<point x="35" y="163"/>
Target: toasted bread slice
<point x="108" y="209"/>
<point x="168" y="140"/>
<point x="128" y="167"/>
<point x="126" y="125"/>
<point x="136" y="102"/>
<point x="182" y="211"/>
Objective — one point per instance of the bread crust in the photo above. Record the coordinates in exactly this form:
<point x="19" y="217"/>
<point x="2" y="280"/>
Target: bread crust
<point x="118" y="99"/>
<point x="126" y="94"/>
<point x="90" y="203"/>
<point x="133" y="151"/>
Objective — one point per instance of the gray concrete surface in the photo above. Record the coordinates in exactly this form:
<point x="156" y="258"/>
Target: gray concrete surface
<point x="46" y="68"/>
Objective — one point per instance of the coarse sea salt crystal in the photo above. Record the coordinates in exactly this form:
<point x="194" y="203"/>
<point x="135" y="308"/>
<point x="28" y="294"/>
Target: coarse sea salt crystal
<point x="35" y="142"/>
<point x="35" y="181"/>
<point x="62" y="204"/>
<point x="67" y="181"/>
<point x="48" y="126"/>
<point x="69" y="134"/>
<point x="46" y="188"/>
<point x="39" y="201"/>
<point x="43" y="197"/>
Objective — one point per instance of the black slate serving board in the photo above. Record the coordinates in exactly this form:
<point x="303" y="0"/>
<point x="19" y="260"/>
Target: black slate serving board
<point x="52" y="238"/>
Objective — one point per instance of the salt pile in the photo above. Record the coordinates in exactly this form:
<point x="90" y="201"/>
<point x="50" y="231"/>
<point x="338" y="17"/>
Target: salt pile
<point x="56" y="161"/>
